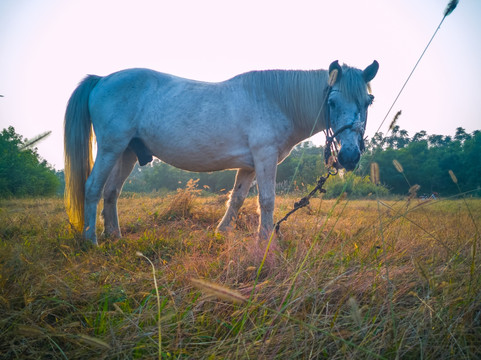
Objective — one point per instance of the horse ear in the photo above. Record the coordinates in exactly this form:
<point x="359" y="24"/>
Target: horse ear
<point x="370" y="72"/>
<point x="334" y="66"/>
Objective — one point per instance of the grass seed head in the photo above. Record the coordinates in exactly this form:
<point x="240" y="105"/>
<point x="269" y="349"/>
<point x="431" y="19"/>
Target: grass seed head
<point x="375" y="173"/>
<point x="355" y="311"/>
<point x="395" y="119"/>
<point x="219" y="291"/>
<point x="450" y="8"/>
<point x="413" y="191"/>
<point x="453" y="177"/>
<point x="31" y="331"/>
<point x="398" y="166"/>
<point x="94" y="342"/>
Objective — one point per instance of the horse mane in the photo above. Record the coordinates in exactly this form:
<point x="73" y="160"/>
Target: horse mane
<point x="353" y="86"/>
<point x="300" y="93"/>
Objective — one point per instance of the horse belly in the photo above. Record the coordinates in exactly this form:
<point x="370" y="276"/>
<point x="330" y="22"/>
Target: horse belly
<point x="202" y="155"/>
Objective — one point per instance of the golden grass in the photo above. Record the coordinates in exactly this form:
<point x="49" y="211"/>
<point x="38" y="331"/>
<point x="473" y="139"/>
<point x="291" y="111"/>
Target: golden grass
<point x="334" y="291"/>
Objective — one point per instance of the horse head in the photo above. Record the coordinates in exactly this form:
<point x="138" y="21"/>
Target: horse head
<point x="347" y="103"/>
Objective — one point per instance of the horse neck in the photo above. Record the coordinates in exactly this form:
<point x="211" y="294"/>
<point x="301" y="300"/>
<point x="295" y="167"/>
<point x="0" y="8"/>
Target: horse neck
<point x="299" y="95"/>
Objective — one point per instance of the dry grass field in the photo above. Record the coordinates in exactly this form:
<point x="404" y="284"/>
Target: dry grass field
<point x="349" y="280"/>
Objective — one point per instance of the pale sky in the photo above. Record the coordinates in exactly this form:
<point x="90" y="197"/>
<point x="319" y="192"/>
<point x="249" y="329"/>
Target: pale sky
<point x="48" y="46"/>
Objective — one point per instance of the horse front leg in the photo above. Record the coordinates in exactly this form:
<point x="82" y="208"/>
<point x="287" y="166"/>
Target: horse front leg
<point x="241" y="188"/>
<point x="266" y="168"/>
<point x="112" y="190"/>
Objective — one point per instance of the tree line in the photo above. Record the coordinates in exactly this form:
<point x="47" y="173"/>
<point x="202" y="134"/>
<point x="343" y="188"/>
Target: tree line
<point x="22" y="172"/>
<point x="425" y="160"/>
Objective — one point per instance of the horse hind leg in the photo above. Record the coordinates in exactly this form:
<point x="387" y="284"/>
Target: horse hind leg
<point x="104" y="163"/>
<point x="242" y="185"/>
<point x="112" y="189"/>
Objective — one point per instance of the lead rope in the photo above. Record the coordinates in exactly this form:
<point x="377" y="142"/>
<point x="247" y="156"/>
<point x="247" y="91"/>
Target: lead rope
<point x="330" y="160"/>
<point x="305" y="200"/>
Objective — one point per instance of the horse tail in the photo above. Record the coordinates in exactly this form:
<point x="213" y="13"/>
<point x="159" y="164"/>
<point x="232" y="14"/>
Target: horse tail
<point x="78" y="138"/>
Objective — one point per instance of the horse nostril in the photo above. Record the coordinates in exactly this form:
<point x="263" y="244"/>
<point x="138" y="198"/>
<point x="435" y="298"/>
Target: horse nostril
<point x="357" y="158"/>
<point x="349" y="160"/>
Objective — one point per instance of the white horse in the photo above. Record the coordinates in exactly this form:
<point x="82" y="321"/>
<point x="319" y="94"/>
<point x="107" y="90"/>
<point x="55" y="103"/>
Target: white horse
<point x="250" y="123"/>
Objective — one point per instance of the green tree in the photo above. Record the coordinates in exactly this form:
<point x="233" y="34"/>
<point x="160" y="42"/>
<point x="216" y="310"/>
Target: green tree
<point x="398" y="139"/>
<point x="426" y="161"/>
<point x="421" y="135"/>
<point x="471" y="162"/>
<point x="461" y="135"/>
<point x="22" y="172"/>
<point x="302" y="167"/>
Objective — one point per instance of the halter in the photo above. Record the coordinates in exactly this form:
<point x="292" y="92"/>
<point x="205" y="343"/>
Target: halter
<point x="331" y="142"/>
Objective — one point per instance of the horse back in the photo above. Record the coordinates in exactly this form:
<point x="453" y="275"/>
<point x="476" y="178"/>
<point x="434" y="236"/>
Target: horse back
<point x="190" y="124"/>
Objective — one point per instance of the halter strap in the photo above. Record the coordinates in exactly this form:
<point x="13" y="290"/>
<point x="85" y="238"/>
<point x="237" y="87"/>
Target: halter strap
<point x="331" y="143"/>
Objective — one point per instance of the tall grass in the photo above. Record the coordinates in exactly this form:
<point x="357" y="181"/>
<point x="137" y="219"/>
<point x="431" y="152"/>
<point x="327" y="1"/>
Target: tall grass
<point x="349" y="280"/>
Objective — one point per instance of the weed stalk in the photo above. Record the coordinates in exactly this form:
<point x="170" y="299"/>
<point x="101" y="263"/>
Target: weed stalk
<point x="158" y="302"/>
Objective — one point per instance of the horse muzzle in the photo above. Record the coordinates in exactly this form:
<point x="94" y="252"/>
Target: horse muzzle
<point x="349" y="157"/>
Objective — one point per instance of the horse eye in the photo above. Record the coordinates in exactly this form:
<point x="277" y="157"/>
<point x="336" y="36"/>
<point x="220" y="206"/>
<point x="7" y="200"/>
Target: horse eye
<point x="331" y="103"/>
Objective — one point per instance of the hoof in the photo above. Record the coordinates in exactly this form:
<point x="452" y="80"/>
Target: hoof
<point x="224" y="229"/>
<point x="111" y="233"/>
